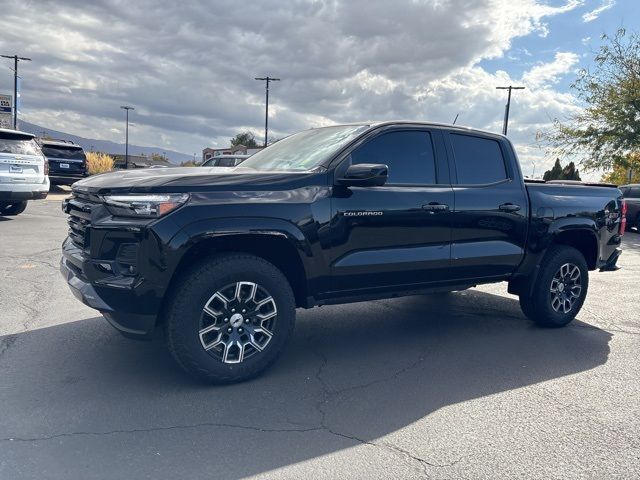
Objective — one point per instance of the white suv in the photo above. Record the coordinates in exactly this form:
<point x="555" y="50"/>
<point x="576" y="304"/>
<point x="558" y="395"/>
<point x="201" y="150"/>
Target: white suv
<point x="23" y="171"/>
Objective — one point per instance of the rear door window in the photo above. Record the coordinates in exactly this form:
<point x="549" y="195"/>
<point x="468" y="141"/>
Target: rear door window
<point x="479" y="161"/>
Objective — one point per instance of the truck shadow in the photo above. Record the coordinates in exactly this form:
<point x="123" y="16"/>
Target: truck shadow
<point x="352" y="374"/>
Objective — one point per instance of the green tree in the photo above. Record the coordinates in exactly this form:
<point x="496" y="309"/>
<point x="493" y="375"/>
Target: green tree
<point x="247" y="139"/>
<point x="607" y="130"/>
<point x="554" y="173"/>
<point x="619" y="175"/>
<point x="558" y="172"/>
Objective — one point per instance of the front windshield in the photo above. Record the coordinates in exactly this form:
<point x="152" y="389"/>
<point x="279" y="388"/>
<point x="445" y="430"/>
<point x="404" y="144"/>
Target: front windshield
<point x="305" y="150"/>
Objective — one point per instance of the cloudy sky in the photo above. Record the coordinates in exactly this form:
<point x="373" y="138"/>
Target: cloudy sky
<point x="189" y="67"/>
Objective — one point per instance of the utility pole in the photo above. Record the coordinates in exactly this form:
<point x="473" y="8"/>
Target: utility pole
<point x="126" y="137"/>
<point x="267" y="80"/>
<point x="16" y="59"/>
<point x="507" y="106"/>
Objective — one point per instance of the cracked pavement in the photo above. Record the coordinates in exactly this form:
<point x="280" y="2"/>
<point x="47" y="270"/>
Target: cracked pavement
<point x="442" y="386"/>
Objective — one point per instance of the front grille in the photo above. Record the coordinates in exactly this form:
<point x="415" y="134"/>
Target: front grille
<point x="79" y="208"/>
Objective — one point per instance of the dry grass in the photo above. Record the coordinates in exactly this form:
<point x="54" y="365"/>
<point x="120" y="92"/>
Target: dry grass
<point x="99" y="163"/>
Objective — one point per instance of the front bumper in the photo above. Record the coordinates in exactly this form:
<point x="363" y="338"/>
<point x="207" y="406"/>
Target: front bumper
<point x="114" y="303"/>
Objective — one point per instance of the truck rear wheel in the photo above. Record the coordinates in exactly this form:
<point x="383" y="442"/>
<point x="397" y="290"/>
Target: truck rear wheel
<point x="11" y="209"/>
<point x="560" y="289"/>
<point x="229" y="318"/>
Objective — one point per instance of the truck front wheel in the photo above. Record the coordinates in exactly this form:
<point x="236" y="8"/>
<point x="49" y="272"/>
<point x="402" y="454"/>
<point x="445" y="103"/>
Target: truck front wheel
<point x="229" y="318"/>
<point x="560" y="289"/>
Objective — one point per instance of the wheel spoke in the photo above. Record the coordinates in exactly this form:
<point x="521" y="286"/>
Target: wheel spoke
<point x="209" y="346"/>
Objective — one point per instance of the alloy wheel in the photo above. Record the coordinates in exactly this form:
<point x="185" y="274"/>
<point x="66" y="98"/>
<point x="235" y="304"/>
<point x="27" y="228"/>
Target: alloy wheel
<point x="238" y="322"/>
<point x="566" y="287"/>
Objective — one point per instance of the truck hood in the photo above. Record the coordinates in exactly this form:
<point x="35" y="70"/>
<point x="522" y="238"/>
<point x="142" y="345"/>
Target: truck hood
<point x="192" y="179"/>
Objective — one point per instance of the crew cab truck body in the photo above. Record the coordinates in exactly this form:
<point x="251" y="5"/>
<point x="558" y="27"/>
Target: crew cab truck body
<point x="331" y="215"/>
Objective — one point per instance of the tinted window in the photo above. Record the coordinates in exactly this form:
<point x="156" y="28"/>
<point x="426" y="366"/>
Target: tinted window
<point x="226" y="162"/>
<point x="478" y="160"/>
<point x="409" y="156"/>
<point x="18" y="145"/>
<point x="633" y="192"/>
<point x="68" y="153"/>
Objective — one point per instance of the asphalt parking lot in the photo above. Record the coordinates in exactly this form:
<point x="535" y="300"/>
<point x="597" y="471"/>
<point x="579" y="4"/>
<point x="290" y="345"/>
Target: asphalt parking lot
<point x="442" y="386"/>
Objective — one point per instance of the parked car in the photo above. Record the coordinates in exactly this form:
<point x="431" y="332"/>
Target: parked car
<point x="23" y="171"/>
<point x="67" y="161"/>
<point x="631" y="194"/>
<point x="225" y="161"/>
<point x="329" y="215"/>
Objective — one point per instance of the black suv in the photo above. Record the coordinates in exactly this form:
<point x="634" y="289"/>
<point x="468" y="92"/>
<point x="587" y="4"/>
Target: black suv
<point x="329" y="215"/>
<point x="631" y="194"/>
<point x="67" y="161"/>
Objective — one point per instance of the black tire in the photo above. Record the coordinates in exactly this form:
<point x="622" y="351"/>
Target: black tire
<point x="199" y="287"/>
<point x="539" y="304"/>
<point x="637" y="224"/>
<point x="11" y="209"/>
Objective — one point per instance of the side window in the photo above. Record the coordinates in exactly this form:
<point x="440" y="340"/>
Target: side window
<point x="408" y="154"/>
<point x="478" y="160"/>
<point x="634" y="192"/>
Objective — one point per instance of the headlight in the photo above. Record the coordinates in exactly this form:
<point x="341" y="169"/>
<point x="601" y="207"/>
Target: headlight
<point x="148" y="206"/>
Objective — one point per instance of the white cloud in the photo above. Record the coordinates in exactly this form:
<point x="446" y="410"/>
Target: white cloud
<point x="593" y="14"/>
<point x="188" y="68"/>
<point x="548" y="73"/>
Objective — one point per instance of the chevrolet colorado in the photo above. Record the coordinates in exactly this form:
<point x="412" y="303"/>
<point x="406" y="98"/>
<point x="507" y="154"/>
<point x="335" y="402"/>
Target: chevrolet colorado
<point x="221" y="260"/>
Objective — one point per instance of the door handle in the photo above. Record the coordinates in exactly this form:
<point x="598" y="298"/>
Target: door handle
<point x="509" y="207"/>
<point x="434" y="207"/>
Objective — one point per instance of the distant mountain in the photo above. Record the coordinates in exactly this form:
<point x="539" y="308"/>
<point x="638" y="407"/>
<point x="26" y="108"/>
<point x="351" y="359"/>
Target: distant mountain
<point x="105" y="146"/>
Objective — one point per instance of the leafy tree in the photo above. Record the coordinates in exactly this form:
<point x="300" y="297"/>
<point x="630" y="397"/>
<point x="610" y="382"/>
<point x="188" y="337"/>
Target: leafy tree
<point x="607" y="130"/>
<point x="557" y="172"/>
<point x="247" y="139"/>
<point x="620" y="173"/>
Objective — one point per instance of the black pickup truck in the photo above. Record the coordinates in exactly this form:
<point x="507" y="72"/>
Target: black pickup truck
<point x="338" y="214"/>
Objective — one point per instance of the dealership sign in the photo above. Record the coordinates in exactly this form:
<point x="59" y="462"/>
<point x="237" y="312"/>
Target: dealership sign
<point x="6" y="111"/>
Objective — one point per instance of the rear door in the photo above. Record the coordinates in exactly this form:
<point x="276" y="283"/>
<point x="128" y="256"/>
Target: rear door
<point x="20" y="160"/>
<point x="399" y="233"/>
<point x="489" y="224"/>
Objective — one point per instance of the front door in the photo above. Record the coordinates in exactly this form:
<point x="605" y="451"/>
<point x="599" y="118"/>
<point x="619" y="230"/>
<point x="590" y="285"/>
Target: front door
<point x="398" y="234"/>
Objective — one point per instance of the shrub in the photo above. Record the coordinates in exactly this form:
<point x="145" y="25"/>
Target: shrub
<point x="99" y="163"/>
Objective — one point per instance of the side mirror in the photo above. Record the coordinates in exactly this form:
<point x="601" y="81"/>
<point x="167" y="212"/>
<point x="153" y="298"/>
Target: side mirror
<point x="365" y="175"/>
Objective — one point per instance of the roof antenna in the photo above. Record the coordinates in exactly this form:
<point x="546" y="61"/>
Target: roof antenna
<point x="456" y="119"/>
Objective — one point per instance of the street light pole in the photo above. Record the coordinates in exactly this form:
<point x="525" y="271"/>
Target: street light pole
<point x="16" y="59"/>
<point x="507" y="106"/>
<point x="266" y="79"/>
<point x="126" y="136"/>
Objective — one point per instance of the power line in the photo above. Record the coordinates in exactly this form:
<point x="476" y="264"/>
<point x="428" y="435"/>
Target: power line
<point x="507" y="106"/>
<point x="267" y="80"/>
<point x="16" y="59"/>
